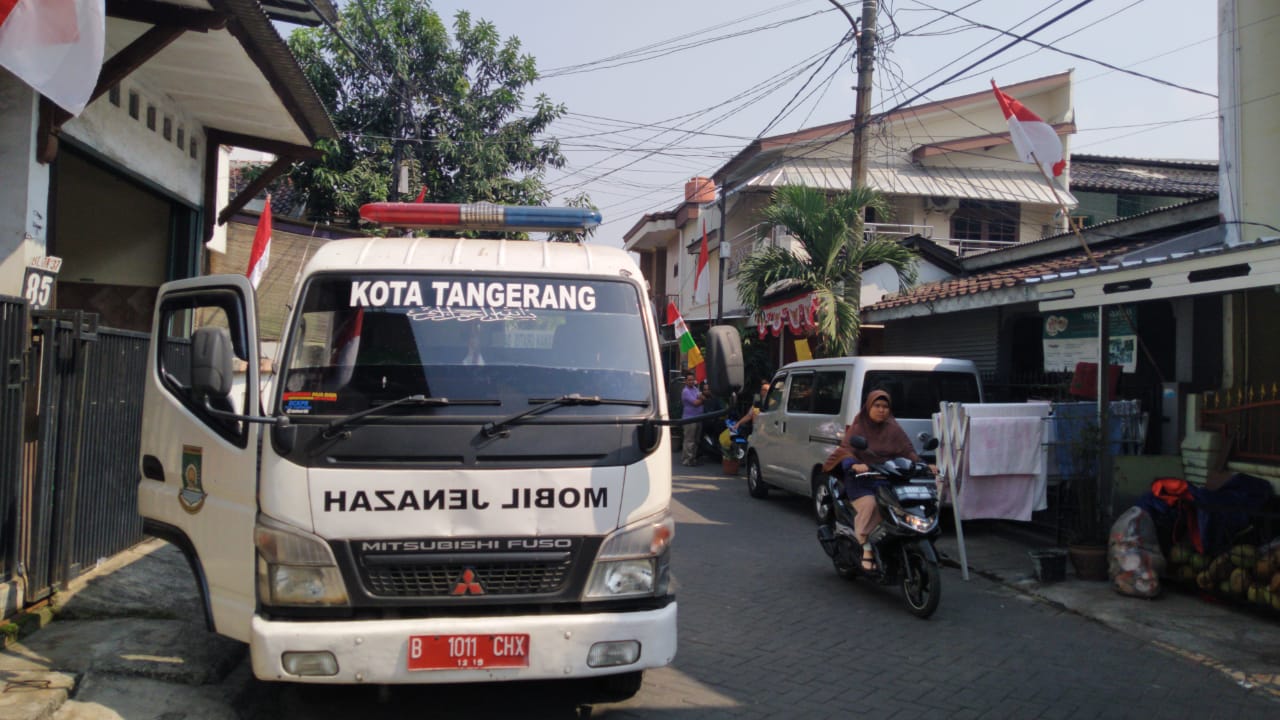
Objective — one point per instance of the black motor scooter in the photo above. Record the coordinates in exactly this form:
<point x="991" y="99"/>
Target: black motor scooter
<point x="903" y="542"/>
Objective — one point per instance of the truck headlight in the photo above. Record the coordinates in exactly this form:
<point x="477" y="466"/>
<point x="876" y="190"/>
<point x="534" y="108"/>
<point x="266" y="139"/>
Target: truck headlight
<point x="634" y="560"/>
<point x="295" y="568"/>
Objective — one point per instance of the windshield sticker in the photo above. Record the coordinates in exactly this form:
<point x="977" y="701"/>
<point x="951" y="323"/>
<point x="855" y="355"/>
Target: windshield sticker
<point x="473" y="294"/>
<point x="297" y="407"/>
<point x="299" y="403"/>
<point x="436" y="314"/>
<point x="317" y="396"/>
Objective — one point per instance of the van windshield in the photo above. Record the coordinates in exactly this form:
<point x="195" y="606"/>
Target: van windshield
<point x="360" y="340"/>
<point x="918" y="394"/>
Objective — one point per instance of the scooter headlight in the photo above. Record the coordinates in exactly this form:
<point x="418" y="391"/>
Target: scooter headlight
<point x="913" y="521"/>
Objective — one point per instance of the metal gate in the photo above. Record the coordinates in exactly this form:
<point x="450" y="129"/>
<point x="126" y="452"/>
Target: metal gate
<point x="79" y="499"/>
<point x="13" y="340"/>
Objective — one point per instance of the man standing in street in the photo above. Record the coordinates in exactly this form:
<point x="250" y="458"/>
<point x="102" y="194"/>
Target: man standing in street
<point x="691" y="398"/>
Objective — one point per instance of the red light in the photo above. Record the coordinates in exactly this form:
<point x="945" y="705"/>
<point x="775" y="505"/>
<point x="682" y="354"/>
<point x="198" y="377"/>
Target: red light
<point x="413" y="214"/>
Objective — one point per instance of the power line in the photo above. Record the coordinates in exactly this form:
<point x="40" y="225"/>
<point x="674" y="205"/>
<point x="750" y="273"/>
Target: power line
<point x="1077" y="56"/>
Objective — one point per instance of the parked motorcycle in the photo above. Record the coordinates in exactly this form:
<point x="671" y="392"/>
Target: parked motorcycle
<point x="709" y="440"/>
<point x="903" y="542"/>
<point x="737" y="441"/>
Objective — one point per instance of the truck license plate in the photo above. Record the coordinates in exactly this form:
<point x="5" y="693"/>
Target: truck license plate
<point x="468" y="652"/>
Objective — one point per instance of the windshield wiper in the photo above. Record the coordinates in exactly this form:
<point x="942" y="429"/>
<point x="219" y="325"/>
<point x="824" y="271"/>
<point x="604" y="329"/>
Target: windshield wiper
<point x="498" y="427"/>
<point x="331" y="430"/>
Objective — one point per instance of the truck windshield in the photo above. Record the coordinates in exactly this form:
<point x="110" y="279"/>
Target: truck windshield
<point x="361" y="340"/>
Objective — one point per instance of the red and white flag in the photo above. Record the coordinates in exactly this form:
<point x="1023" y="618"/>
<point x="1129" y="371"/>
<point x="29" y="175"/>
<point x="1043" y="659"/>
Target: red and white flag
<point x="346" y="346"/>
<point x="261" y="252"/>
<point x="55" y="46"/>
<point x="700" y="275"/>
<point x="1033" y="138"/>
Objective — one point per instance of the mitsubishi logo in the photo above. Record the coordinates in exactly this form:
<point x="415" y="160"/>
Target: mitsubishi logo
<point x="467" y="584"/>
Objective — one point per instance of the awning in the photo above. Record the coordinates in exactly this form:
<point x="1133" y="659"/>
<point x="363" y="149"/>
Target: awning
<point x="1183" y="271"/>
<point x="795" y="314"/>
<point x="1020" y="186"/>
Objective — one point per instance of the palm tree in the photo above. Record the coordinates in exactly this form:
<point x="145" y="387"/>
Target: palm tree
<point x="833" y="252"/>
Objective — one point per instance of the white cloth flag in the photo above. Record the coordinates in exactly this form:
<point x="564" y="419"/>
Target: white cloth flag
<point x="1033" y="138"/>
<point x="55" y="46"/>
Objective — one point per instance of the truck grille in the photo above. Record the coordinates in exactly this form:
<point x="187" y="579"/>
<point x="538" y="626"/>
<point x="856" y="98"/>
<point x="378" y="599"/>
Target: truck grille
<point x="500" y="578"/>
<point x="459" y="569"/>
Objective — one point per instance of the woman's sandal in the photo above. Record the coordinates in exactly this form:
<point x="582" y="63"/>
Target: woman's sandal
<point x="868" y="562"/>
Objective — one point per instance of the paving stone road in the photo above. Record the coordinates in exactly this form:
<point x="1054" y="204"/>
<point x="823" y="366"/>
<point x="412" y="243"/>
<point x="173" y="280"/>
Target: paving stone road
<point x="767" y="630"/>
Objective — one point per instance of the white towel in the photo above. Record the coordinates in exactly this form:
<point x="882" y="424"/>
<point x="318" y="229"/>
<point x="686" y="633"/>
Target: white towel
<point x="1005" y="446"/>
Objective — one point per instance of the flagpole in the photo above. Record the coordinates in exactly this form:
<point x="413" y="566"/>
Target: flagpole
<point x="1093" y="260"/>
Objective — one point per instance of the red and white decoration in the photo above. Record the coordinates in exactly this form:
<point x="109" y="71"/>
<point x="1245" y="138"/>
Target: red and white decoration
<point x="260" y="254"/>
<point x="1033" y="138"/>
<point x="55" y="46"/>
<point x="796" y="315"/>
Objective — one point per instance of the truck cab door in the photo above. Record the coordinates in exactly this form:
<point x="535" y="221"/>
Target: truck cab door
<point x="199" y="471"/>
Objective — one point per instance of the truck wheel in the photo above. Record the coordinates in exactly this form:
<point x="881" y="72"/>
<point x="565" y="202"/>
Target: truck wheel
<point x="756" y="486"/>
<point x="617" y="688"/>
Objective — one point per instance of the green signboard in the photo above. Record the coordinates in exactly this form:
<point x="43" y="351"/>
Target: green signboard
<point x="1071" y="336"/>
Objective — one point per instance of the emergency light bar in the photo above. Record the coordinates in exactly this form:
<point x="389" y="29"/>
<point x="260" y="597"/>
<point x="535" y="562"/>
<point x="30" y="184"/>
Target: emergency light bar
<point x="480" y="216"/>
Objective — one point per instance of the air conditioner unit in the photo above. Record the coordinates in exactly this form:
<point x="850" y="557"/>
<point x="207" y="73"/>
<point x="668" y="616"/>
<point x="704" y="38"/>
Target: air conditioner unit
<point x="939" y="202"/>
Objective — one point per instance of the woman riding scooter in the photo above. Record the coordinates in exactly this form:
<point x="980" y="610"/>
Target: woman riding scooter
<point x="885" y="439"/>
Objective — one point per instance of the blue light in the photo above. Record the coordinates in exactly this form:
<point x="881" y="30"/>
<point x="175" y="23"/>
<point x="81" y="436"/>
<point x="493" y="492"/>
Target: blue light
<point x="551" y="217"/>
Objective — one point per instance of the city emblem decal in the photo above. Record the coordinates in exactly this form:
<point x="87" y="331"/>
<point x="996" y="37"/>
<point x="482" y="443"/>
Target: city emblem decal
<point x="192" y="495"/>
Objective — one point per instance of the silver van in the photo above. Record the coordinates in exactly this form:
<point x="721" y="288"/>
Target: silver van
<point x="811" y="402"/>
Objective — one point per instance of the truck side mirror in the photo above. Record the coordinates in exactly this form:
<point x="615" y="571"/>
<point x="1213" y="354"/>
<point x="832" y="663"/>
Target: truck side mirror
<point x="724" y="359"/>
<point x="211" y="362"/>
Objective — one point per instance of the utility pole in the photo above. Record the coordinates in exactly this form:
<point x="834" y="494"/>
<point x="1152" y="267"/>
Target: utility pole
<point x="722" y="246"/>
<point x="866" y="62"/>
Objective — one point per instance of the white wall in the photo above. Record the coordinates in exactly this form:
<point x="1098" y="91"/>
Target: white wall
<point x="110" y="131"/>
<point x="24" y="191"/>
<point x="881" y="281"/>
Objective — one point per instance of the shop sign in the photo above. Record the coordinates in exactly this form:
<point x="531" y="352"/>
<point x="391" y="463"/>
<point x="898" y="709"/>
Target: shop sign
<point x="1071" y="336"/>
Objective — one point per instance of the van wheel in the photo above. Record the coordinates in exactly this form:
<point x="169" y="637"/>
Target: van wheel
<point x="822" y="510"/>
<point x="756" y="486"/>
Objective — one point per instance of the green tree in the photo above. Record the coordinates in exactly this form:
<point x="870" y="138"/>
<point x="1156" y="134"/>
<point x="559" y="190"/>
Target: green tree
<point x="829" y="261"/>
<point x="452" y="109"/>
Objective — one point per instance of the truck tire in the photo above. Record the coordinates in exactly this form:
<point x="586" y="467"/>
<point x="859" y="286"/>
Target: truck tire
<point x="617" y="688"/>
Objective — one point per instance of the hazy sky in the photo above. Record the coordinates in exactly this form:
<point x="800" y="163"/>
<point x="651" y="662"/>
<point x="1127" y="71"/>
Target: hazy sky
<point x="714" y="74"/>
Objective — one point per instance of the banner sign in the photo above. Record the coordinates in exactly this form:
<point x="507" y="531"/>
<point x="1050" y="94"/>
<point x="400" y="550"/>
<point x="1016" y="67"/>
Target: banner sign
<point x="1071" y="336"/>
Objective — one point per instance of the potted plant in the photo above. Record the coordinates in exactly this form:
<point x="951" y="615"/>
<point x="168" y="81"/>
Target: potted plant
<point x="1087" y="547"/>
<point x="730" y="460"/>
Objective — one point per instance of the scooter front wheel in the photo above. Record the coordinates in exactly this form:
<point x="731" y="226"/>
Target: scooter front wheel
<point x="921" y="581"/>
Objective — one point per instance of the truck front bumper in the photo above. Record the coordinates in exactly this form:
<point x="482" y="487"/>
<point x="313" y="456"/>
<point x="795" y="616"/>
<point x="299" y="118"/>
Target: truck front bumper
<point x="377" y="651"/>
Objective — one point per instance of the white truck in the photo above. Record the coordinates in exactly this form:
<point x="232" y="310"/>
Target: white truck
<point x="461" y="471"/>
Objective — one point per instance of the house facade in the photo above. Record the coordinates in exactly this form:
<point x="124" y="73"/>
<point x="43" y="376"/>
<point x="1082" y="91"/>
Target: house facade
<point x="96" y="212"/>
<point x="947" y="168"/>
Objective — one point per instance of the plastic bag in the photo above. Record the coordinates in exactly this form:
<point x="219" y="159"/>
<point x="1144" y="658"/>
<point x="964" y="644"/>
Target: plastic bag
<point x="1134" y="559"/>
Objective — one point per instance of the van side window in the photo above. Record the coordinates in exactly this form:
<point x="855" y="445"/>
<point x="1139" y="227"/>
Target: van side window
<point x="774" y="400"/>
<point x="828" y="392"/>
<point x="800" y="399"/>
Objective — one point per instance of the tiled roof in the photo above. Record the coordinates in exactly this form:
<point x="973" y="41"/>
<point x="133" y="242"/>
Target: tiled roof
<point x="1187" y="178"/>
<point x="1009" y="277"/>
